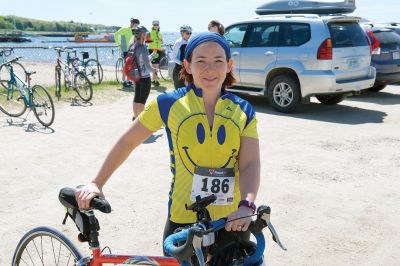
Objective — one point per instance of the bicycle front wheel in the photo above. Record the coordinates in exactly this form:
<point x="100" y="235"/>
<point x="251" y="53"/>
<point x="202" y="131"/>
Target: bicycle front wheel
<point x="45" y="246"/>
<point x="19" y="70"/>
<point x="94" y="71"/>
<point x="11" y="101"/>
<point x="119" y="68"/>
<point x="83" y="87"/>
<point x="43" y="106"/>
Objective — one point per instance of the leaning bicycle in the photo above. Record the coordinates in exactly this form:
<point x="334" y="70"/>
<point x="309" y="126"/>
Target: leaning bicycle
<point x="19" y="95"/>
<point x="47" y="246"/>
<point x="119" y="66"/>
<point x="73" y="74"/>
<point x="19" y="69"/>
<point x="164" y="63"/>
<point x="91" y="67"/>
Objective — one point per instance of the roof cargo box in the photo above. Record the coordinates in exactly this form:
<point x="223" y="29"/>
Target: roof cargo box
<point x="307" y="7"/>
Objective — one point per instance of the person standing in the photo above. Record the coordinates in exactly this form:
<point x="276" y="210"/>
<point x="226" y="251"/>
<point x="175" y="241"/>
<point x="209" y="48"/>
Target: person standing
<point x="178" y="54"/>
<point x="208" y="129"/>
<point x="142" y="57"/>
<point x="216" y="26"/>
<point x="155" y="46"/>
<point x="124" y="39"/>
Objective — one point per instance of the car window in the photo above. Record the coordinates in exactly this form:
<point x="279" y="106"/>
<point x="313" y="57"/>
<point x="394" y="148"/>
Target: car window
<point x="387" y="37"/>
<point x="347" y="34"/>
<point x="293" y="34"/>
<point x="235" y="35"/>
<point x="261" y="35"/>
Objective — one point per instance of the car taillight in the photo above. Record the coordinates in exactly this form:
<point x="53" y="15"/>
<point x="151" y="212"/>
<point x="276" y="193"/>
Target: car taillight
<point x="325" y="50"/>
<point x="375" y="44"/>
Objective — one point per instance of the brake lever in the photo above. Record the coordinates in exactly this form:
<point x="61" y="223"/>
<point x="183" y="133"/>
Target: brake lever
<point x="275" y="237"/>
<point x="197" y="240"/>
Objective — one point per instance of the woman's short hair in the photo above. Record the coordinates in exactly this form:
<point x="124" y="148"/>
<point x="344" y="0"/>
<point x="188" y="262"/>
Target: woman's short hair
<point x="216" y="23"/>
<point x="230" y="78"/>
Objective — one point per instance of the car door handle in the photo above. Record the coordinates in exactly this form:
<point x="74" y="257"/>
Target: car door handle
<point x="268" y="53"/>
<point x="235" y="53"/>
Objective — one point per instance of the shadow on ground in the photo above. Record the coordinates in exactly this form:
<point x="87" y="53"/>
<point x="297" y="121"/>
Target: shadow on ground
<point x="382" y="98"/>
<point x="21" y="122"/>
<point x="339" y="114"/>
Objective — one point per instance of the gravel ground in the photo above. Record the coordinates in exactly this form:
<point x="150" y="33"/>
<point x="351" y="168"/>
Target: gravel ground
<point x="330" y="174"/>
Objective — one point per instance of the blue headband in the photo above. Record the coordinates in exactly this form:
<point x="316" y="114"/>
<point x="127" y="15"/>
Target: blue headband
<point x="207" y="37"/>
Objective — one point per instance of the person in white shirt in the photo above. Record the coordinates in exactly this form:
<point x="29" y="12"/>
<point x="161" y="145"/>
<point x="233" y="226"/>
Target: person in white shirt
<point x="178" y="54"/>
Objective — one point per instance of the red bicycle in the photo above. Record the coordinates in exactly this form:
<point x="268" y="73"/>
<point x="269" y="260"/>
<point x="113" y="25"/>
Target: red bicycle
<point x="47" y="246"/>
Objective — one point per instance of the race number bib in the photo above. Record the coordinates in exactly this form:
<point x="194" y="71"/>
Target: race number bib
<point x="217" y="181"/>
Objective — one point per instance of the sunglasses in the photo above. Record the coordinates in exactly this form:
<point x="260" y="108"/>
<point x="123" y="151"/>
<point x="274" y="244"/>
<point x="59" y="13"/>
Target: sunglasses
<point x="156" y="25"/>
<point x="188" y="33"/>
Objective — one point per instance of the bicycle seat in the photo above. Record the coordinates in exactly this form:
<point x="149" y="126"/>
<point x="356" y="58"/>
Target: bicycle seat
<point x="29" y="73"/>
<point x="67" y="198"/>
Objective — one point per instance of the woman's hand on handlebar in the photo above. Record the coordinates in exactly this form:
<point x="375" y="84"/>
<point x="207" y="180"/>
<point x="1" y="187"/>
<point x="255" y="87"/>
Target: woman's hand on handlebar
<point x="239" y="224"/>
<point x="86" y="193"/>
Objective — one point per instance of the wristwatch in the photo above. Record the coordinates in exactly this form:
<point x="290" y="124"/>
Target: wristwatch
<point x="248" y="204"/>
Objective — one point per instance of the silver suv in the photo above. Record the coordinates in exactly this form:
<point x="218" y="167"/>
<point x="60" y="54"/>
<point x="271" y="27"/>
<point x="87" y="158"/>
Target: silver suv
<point x="290" y="58"/>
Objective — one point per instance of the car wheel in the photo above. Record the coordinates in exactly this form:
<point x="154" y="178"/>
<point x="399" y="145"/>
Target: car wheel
<point x="330" y="99"/>
<point x="284" y="93"/>
<point x="377" y="88"/>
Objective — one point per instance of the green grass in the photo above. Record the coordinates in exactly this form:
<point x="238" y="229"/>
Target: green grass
<point x="106" y="92"/>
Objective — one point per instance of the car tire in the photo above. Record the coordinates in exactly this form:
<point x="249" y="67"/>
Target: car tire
<point x="330" y="99"/>
<point x="377" y="88"/>
<point x="284" y="93"/>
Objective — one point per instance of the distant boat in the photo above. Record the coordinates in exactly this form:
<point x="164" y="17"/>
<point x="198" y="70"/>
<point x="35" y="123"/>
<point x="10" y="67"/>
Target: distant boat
<point x="13" y="37"/>
<point x="306" y="7"/>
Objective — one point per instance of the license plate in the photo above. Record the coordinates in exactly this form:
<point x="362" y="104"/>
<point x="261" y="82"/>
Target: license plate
<point x="396" y="55"/>
<point x="353" y="63"/>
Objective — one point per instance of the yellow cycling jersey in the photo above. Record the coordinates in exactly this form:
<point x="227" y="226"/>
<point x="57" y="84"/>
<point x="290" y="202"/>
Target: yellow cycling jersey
<point x="193" y="143"/>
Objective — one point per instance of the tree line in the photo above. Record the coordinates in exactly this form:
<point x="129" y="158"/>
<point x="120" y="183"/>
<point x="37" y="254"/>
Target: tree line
<point x="27" y="24"/>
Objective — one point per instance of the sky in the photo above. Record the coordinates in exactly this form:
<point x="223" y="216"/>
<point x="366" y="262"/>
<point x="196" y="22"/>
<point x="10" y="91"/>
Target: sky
<point x="170" y="13"/>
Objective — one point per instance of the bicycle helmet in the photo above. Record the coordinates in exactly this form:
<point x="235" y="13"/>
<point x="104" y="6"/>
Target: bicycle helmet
<point x="156" y="22"/>
<point x="186" y="28"/>
<point x="138" y="31"/>
<point x="135" y="21"/>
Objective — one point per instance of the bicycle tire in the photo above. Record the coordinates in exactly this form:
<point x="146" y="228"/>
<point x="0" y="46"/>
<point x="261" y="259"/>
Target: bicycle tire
<point x="83" y="87"/>
<point x="163" y="68"/>
<point x="27" y="250"/>
<point x="11" y="102"/>
<point x="94" y="71"/>
<point x="19" y="69"/>
<point x="58" y="83"/>
<point x="43" y="106"/>
<point x="119" y="67"/>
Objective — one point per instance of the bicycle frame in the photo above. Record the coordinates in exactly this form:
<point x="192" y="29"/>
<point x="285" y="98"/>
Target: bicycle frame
<point x="20" y="84"/>
<point x="65" y="67"/>
<point x="98" y="259"/>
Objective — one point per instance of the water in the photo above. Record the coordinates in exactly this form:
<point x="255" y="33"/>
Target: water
<point x="41" y="48"/>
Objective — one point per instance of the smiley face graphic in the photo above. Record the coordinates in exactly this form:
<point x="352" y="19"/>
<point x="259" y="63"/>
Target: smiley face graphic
<point x="198" y="145"/>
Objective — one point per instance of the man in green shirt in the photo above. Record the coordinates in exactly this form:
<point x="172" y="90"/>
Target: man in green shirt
<point x="124" y="38"/>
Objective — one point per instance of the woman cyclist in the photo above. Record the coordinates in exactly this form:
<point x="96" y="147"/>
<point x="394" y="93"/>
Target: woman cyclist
<point x="212" y="137"/>
<point x="142" y="57"/>
<point x="178" y="53"/>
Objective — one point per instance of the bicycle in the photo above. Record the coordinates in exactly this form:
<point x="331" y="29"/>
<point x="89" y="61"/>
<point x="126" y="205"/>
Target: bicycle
<point x="19" y="95"/>
<point x="40" y="242"/>
<point x="164" y="62"/>
<point x="91" y="67"/>
<point x="73" y="74"/>
<point x="5" y="71"/>
<point x="119" y="67"/>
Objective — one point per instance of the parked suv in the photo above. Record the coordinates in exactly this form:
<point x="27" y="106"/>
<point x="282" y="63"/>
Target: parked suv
<point x="385" y="46"/>
<point x="290" y="58"/>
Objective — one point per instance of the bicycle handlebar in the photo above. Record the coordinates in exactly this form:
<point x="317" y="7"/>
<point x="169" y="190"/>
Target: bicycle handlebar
<point x="11" y="61"/>
<point x="183" y="253"/>
<point x="67" y="198"/>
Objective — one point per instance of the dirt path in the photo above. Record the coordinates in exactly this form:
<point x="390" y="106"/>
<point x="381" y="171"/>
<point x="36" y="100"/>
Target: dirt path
<point x="330" y="174"/>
